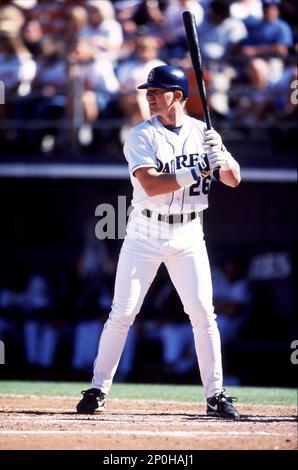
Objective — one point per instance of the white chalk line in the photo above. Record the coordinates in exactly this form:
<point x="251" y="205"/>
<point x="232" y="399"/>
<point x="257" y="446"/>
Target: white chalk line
<point x="179" y="434"/>
<point x="137" y="400"/>
<point x="161" y="420"/>
<point x="108" y="412"/>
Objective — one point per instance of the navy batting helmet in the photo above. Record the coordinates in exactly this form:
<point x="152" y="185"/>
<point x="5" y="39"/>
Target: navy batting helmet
<point x="169" y="77"/>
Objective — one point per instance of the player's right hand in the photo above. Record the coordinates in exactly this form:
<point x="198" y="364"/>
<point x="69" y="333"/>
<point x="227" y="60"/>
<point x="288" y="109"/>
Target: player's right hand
<point x="220" y="159"/>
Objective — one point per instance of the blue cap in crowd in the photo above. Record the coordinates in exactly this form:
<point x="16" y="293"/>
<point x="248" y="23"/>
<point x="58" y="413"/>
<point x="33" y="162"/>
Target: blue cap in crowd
<point x="270" y="2"/>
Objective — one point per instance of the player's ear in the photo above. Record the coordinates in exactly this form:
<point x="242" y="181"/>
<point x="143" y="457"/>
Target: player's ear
<point x="178" y="95"/>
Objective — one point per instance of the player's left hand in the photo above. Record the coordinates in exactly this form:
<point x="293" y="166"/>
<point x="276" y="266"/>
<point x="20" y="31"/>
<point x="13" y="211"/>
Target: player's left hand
<point x="220" y="159"/>
<point x="212" y="141"/>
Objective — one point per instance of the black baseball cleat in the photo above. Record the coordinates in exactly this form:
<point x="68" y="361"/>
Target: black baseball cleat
<point x="93" y="398"/>
<point x="220" y="405"/>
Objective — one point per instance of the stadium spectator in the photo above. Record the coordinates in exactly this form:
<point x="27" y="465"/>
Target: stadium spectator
<point x="175" y="332"/>
<point x="164" y="330"/>
<point x="268" y="37"/>
<point x="11" y="19"/>
<point x="50" y="15"/>
<point x="47" y="101"/>
<point x="91" y="297"/>
<point x="131" y="73"/>
<point x="17" y="70"/>
<point x="172" y="26"/>
<point x="32" y="35"/>
<point x="219" y="32"/>
<point x="289" y="12"/>
<point x="12" y="293"/>
<point x="27" y="24"/>
<point x="247" y="11"/>
<point x="284" y="92"/>
<point x="258" y="96"/>
<point x="93" y="300"/>
<point x="140" y="17"/>
<point x="92" y="82"/>
<point x="95" y="271"/>
<point x="25" y="4"/>
<point x="103" y="30"/>
<point x="40" y="331"/>
<point x="232" y="301"/>
<point x="91" y="310"/>
<point x="249" y="96"/>
<point x="76" y="19"/>
<point x="231" y="296"/>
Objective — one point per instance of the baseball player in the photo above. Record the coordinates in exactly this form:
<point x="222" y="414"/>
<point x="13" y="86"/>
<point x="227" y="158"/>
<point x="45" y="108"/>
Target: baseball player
<point x="171" y="159"/>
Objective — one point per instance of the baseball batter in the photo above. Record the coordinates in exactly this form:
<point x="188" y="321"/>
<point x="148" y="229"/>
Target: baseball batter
<point x="171" y="159"/>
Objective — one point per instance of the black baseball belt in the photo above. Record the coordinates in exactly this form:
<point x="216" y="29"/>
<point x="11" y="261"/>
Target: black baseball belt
<point x="171" y="218"/>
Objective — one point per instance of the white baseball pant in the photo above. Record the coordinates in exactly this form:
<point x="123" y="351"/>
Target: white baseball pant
<point x="186" y="259"/>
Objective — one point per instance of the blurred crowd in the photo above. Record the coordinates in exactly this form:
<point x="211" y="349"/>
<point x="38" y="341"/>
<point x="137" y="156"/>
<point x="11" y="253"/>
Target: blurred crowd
<point x="50" y="321"/>
<point x="40" y="310"/>
<point x="70" y="67"/>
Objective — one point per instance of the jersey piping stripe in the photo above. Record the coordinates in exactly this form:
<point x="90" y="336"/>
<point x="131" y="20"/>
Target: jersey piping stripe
<point x="183" y="152"/>
<point x="145" y="165"/>
<point x="182" y="200"/>
<point x="170" y="143"/>
<point x="171" y="202"/>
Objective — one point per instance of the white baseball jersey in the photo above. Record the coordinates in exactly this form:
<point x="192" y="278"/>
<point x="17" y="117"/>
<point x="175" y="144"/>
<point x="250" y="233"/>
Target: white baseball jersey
<point x="150" y="144"/>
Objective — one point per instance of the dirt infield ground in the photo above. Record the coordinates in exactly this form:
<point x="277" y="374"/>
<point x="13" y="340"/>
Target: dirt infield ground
<point x="40" y="423"/>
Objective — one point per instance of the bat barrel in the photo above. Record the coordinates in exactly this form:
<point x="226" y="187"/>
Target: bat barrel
<point x="195" y="53"/>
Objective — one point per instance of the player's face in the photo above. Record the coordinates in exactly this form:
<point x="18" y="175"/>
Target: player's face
<point x="159" y="100"/>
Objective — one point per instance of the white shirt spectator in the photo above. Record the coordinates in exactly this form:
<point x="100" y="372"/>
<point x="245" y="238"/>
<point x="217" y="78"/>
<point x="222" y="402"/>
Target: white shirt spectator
<point x="107" y="37"/>
<point x="237" y="292"/>
<point x="132" y="73"/>
<point x="99" y="76"/>
<point x="173" y="26"/>
<point x="37" y="295"/>
<point x="244" y="8"/>
<point x="17" y="73"/>
<point x="216" y="39"/>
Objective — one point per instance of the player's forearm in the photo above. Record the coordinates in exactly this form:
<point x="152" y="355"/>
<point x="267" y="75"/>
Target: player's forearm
<point x="155" y="183"/>
<point x="231" y="177"/>
<point x="162" y="184"/>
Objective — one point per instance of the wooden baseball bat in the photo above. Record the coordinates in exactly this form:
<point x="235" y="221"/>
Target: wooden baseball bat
<point x="195" y="53"/>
